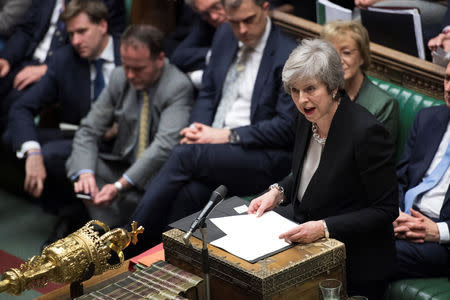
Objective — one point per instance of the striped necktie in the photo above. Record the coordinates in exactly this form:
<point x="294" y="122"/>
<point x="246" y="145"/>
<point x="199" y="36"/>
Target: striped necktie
<point x="429" y="181"/>
<point x="143" y="125"/>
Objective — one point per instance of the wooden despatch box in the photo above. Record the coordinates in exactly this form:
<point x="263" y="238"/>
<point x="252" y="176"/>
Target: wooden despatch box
<point x="291" y="274"/>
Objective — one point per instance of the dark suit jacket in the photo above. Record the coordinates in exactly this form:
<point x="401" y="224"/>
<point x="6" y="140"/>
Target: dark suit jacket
<point x="34" y="25"/>
<point x="191" y="52"/>
<point x="446" y="19"/>
<point x="426" y="134"/>
<point x="271" y="111"/>
<point x="354" y="189"/>
<point x="66" y="82"/>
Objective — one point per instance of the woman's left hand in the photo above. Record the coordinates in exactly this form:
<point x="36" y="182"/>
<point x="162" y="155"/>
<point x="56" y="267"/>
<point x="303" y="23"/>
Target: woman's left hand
<point x="304" y="233"/>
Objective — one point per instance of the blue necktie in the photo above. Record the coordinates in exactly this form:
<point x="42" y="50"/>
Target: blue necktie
<point x="59" y="36"/>
<point x="428" y="182"/>
<point x="99" y="81"/>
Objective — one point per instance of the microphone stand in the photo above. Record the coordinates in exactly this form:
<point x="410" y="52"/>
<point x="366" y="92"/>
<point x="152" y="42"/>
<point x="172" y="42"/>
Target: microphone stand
<point x="205" y="262"/>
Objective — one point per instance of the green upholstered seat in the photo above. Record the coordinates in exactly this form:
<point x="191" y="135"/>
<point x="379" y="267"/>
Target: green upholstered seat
<point x="410" y="103"/>
<point x="419" y="289"/>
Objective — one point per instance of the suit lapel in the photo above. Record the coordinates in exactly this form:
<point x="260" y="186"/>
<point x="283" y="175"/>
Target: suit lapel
<point x="222" y="68"/>
<point x="433" y="137"/>
<point x="444" y="118"/>
<point x="84" y="84"/>
<point x="46" y="14"/>
<point x="337" y="128"/>
<point x="301" y="146"/>
<point x="264" y="69"/>
<point x="116" y="43"/>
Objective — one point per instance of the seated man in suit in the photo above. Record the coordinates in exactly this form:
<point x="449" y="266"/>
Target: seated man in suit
<point x="422" y="229"/>
<point x="24" y="58"/>
<point x="150" y="100"/>
<point x="241" y="132"/>
<point x="193" y="52"/>
<point x="76" y="75"/>
<point x="11" y="11"/>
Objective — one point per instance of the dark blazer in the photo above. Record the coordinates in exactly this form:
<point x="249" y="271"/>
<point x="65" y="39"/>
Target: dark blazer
<point x="34" y="25"/>
<point x="426" y="134"/>
<point x="354" y="189"/>
<point x="446" y="19"/>
<point x="191" y="52"/>
<point x="271" y="111"/>
<point x="66" y="82"/>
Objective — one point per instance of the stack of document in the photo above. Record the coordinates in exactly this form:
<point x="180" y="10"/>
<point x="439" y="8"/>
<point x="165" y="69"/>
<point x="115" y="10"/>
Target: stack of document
<point x="252" y="238"/>
<point x="327" y="11"/>
<point x="396" y="28"/>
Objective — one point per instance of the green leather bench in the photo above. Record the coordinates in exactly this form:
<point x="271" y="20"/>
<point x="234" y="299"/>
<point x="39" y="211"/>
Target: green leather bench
<point x="419" y="289"/>
<point x="409" y="104"/>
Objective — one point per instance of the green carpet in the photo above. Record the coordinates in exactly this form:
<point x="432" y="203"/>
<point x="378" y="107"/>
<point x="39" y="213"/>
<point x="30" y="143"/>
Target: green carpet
<point x="23" y="228"/>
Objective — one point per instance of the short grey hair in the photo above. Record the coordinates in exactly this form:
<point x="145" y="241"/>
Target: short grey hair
<point x="237" y="3"/>
<point x="314" y="59"/>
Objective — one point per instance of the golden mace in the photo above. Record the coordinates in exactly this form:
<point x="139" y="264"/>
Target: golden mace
<point x="91" y="250"/>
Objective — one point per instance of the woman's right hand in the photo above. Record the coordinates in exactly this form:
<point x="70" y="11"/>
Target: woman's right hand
<point x="265" y="202"/>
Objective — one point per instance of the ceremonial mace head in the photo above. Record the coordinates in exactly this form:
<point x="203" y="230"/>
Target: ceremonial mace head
<point x="91" y="250"/>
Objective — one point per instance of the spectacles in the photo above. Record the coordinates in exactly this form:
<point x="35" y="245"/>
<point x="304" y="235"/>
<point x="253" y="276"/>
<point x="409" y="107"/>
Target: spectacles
<point x="345" y="54"/>
<point x="212" y="9"/>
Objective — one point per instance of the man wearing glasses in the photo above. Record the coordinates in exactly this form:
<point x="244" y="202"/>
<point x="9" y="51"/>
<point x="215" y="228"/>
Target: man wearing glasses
<point x="192" y="55"/>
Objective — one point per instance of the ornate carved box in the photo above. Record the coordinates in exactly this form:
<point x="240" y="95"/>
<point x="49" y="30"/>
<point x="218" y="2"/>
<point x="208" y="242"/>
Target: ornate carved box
<point x="292" y="274"/>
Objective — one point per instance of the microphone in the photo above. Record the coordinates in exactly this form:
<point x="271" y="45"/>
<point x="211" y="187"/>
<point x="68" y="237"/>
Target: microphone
<point x="216" y="196"/>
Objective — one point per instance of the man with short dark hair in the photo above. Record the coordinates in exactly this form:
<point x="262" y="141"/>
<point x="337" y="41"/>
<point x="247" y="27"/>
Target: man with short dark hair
<point x="192" y="54"/>
<point x="242" y="124"/>
<point x="76" y="74"/>
<point x="24" y="58"/>
<point x="422" y="229"/>
<point x="150" y="100"/>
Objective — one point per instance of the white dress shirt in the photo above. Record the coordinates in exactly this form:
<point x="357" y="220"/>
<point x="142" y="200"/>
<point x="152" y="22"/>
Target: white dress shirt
<point x="108" y="66"/>
<point x="41" y="51"/>
<point x="310" y="165"/>
<point x="239" y="114"/>
<point x="431" y="202"/>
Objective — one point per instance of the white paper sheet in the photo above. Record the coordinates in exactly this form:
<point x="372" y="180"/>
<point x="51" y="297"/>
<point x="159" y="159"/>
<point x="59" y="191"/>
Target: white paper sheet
<point x="332" y="12"/>
<point x="249" y="237"/>
<point x="241" y="209"/>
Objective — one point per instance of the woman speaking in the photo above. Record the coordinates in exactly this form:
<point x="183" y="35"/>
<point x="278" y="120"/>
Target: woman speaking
<point x="343" y="183"/>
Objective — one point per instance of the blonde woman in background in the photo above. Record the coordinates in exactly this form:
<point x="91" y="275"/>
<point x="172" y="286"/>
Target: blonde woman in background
<point x="351" y="41"/>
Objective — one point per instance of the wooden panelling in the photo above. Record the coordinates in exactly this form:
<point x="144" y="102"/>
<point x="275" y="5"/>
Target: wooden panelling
<point x="387" y="64"/>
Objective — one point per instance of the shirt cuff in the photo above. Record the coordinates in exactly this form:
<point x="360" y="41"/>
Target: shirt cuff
<point x="446" y="29"/>
<point x="127" y="178"/>
<point x="27" y="146"/>
<point x="444" y="234"/>
<point x="196" y="78"/>
<point x="75" y="176"/>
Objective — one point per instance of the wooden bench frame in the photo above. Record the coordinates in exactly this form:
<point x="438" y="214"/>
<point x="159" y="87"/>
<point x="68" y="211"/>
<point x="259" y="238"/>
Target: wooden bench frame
<point x="387" y="64"/>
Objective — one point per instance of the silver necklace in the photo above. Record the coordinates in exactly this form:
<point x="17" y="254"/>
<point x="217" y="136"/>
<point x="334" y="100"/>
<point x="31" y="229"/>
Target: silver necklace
<point x="316" y="135"/>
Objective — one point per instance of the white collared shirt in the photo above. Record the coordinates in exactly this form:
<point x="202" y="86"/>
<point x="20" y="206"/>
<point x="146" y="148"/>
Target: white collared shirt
<point x="239" y="114"/>
<point x="432" y="201"/>
<point x="41" y="51"/>
<point x="310" y="165"/>
<point x="108" y="64"/>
